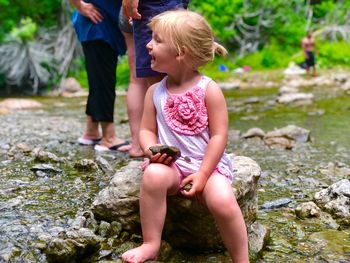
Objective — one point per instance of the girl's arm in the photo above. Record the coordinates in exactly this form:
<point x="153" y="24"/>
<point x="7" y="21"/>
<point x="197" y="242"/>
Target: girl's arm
<point x="218" y="130"/>
<point x="148" y="128"/>
<point x="149" y="131"/>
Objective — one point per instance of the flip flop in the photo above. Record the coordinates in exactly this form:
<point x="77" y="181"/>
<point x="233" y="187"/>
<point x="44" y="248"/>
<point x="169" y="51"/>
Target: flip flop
<point x="114" y="148"/>
<point x="83" y="141"/>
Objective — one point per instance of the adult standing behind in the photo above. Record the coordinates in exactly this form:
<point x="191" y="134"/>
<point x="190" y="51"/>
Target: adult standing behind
<point x="141" y="13"/>
<point x="136" y="89"/>
<point x="309" y="48"/>
<point x="96" y="25"/>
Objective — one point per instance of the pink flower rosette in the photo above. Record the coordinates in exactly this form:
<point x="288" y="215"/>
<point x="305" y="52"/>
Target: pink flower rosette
<point x="186" y="113"/>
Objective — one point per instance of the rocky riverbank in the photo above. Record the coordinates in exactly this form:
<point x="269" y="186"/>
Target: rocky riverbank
<point x="49" y="183"/>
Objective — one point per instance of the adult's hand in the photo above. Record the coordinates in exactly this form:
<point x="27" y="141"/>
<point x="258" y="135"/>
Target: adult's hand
<point x="90" y="11"/>
<point x="129" y="8"/>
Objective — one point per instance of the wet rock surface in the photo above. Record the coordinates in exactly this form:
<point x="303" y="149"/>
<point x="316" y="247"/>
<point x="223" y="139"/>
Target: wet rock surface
<point x="335" y="200"/>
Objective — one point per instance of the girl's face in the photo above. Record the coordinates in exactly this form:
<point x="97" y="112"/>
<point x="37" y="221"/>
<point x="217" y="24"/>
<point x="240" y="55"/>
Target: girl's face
<point x="163" y="55"/>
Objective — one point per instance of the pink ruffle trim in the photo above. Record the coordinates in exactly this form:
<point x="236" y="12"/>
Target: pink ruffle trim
<point x="186" y="114"/>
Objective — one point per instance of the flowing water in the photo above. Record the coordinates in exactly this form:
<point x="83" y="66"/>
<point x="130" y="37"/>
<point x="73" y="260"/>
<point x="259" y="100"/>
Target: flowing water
<point x="297" y="174"/>
<point x="31" y="203"/>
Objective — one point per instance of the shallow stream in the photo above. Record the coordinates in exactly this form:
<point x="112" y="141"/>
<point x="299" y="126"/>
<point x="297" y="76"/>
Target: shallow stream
<point x="30" y="204"/>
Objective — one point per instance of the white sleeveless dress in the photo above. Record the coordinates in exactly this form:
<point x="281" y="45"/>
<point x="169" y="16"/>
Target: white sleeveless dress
<point x="182" y="121"/>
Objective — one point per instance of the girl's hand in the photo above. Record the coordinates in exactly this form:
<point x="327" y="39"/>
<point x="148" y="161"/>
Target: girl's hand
<point x="90" y="11"/>
<point x="197" y="182"/>
<point x="159" y="158"/>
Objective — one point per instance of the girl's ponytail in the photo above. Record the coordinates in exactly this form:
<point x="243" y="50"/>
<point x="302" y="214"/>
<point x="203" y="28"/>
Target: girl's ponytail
<point x="219" y="49"/>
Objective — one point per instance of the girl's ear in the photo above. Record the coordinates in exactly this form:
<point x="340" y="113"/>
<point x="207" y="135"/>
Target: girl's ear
<point x="183" y="53"/>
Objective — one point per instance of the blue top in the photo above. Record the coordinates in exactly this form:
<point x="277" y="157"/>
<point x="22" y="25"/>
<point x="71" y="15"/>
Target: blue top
<point x="106" y="30"/>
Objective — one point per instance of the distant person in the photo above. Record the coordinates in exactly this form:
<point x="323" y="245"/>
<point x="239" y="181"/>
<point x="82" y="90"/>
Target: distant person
<point x="96" y="25"/>
<point x="309" y="48"/>
<point x="186" y="110"/>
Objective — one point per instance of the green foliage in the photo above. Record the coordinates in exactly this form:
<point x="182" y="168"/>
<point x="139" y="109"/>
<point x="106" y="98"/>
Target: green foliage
<point x="43" y="12"/>
<point x="334" y="53"/>
<point x="77" y="71"/>
<point x="332" y="10"/>
<point x="271" y="56"/>
<point x="286" y="17"/>
<point x="123" y="72"/>
<point x="288" y="23"/>
<point x="220" y="14"/>
<point x="26" y="31"/>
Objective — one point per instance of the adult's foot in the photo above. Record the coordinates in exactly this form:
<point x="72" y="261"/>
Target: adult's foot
<point x="83" y="141"/>
<point x="91" y="136"/>
<point x="141" y="254"/>
<point x="123" y="146"/>
<point x="136" y="152"/>
<point x="117" y="143"/>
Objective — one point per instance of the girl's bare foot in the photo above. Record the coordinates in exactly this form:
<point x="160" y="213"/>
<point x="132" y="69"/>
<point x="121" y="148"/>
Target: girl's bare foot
<point x="141" y="254"/>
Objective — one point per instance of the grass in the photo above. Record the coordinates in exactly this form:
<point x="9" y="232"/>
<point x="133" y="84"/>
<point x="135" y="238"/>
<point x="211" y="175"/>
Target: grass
<point x="266" y="65"/>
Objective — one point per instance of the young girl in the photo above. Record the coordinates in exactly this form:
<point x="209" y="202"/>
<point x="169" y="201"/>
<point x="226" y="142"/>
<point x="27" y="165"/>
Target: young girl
<point x="186" y="110"/>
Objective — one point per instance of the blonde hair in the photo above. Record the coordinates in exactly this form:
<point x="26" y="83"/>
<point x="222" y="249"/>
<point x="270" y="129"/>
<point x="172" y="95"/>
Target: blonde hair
<point x="190" y="30"/>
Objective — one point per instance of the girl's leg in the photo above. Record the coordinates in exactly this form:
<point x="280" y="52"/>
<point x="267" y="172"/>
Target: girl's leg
<point x="221" y="202"/>
<point x="158" y="181"/>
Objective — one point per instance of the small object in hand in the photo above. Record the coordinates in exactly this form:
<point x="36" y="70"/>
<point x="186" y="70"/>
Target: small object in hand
<point x="187" y="187"/>
<point x="172" y="151"/>
<point x="186" y="159"/>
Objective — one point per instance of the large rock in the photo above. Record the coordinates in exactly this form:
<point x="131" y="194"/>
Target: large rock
<point x="288" y="90"/>
<point x="69" y="245"/>
<point x="254" y="132"/>
<point x="301" y="98"/>
<point x="19" y="104"/>
<point x="291" y="132"/>
<point x="307" y="209"/>
<point x="335" y="199"/>
<point x="287" y="136"/>
<point x="188" y="224"/>
<point x="69" y="88"/>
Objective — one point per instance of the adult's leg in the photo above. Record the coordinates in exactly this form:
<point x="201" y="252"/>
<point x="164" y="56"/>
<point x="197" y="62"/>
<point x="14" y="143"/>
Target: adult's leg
<point x="221" y="202"/>
<point x="158" y="181"/>
<point x="91" y="129"/>
<point x="135" y="98"/>
<point x="101" y="63"/>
